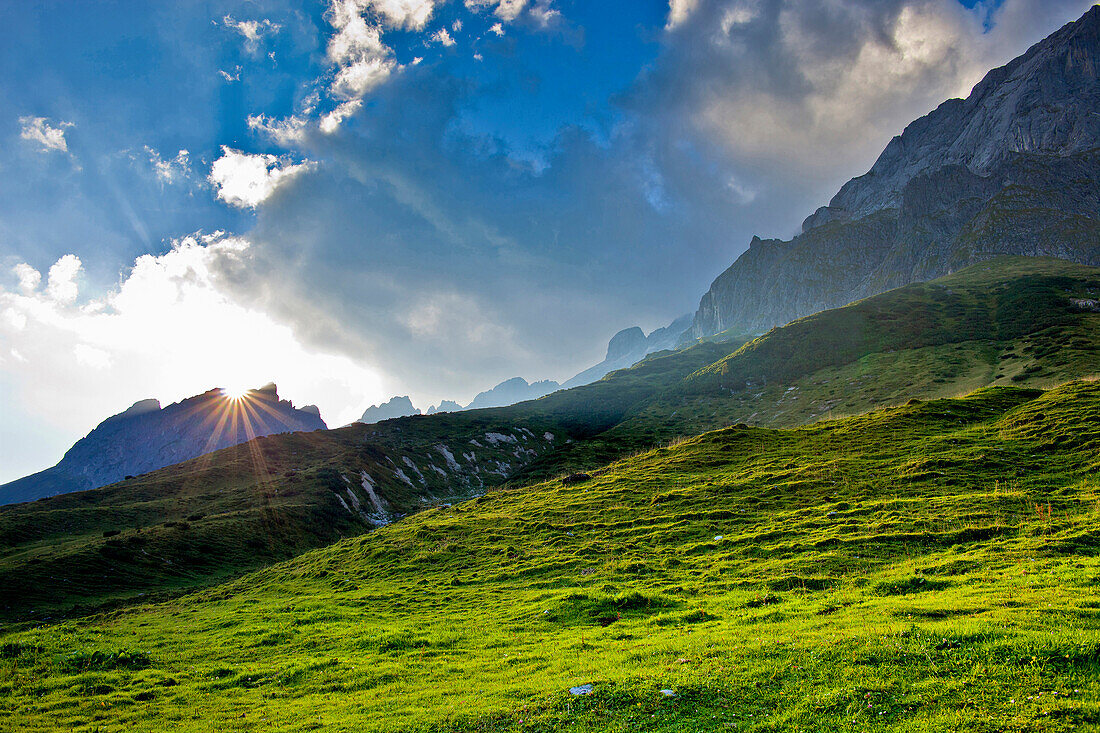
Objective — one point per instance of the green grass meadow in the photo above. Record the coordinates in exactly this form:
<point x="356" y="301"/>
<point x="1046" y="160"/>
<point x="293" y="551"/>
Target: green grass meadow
<point x="928" y="567"/>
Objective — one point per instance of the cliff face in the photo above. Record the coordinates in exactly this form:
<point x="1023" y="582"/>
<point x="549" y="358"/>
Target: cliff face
<point x="146" y="437"/>
<point x="1012" y="169"/>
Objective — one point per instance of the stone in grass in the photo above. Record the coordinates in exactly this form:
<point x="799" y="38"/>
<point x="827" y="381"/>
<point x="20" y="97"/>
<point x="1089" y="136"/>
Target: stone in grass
<point x="668" y="693"/>
<point x="581" y="690"/>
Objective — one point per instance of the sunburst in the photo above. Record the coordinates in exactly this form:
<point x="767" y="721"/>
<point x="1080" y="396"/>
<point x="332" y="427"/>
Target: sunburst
<point x="235" y="393"/>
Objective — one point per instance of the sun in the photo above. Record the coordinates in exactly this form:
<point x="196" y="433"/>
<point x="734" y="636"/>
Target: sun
<point x="235" y="393"/>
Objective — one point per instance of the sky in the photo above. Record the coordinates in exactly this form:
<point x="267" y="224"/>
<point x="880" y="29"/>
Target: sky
<point x="364" y="198"/>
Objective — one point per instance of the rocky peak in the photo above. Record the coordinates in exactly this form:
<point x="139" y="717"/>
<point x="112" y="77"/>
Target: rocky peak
<point x="1011" y="170"/>
<point x="1044" y="101"/>
<point x="625" y="342"/>
<point x="395" y="407"/>
<point x="146" y="437"/>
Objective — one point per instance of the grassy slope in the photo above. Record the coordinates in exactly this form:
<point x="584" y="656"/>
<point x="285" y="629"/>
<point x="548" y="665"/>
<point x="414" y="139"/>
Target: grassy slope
<point x="1007" y="321"/>
<point x="927" y="567"/>
<point x="236" y="509"/>
<point x="251" y="505"/>
<point x="1003" y="322"/>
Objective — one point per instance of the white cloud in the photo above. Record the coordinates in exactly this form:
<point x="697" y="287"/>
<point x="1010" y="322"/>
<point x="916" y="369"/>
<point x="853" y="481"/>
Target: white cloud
<point x="362" y="60"/>
<point x="679" y="11"/>
<point x="247" y="180"/>
<point x="29" y="278"/>
<point x="230" y="78"/>
<point x="456" y="26"/>
<point x="61" y="286"/>
<point x="174" y="327"/>
<point x="443" y="37"/>
<point x="544" y="15"/>
<point x="254" y="32"/>
<point x="406" y="14"/>
<point x="497" y="28"/>
<point x="287" y="132"/>
<point x="506" y="10"/>
<point x="39" y="130"/>
<point x="331" y="122"/>
<point x="172" y="170"/>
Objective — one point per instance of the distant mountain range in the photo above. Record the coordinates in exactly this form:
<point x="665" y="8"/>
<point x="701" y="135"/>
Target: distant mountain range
<point x="147" y="437"/>
<point x="508" y="392"/>
<point x="625" y="349"/>
<point x="1013" y="169"/>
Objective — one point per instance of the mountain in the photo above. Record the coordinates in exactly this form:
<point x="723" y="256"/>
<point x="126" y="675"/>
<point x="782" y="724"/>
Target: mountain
<point x="444" y="406"/>
<point x="511" y="391"/>
<point x="927" y="567"/>
<point x="146" y="437"/>
<point x="630" y="346"/>
<point x="1013" y="169"/>
<point x="1014" y="321"/>
<point x="508" y="392"/>
<point x="250" y="505"/>
<point x="396" y="407"/>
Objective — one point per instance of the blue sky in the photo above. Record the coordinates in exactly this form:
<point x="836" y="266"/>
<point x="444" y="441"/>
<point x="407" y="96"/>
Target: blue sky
<point x="359" y="198"/>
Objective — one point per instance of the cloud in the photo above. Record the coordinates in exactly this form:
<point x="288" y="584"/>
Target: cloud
<point x="172" y="328"/>
<point x="448" y="258"/>
<point x="679" y="11"/>
<point x="362" y="60"/>
<point x="404" y="14"/>
<point x="817" y="89"/>
<point x="287" y="132"/>
<point x="61" y="286"/>
<point x="28" y="277"/>
<point x="253" y="31"/>
<point x="246" y="180"/>
<point x="172" y="170"/>
<point x="506" y="10"/>
<point x="49" y="138"/>
<point x="441" y="36"/>
<point x="331" y="121"/>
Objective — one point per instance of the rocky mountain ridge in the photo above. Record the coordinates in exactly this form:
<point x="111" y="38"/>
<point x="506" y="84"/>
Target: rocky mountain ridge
<point x="1013" y="169"/>
<point x="146" y="437"/>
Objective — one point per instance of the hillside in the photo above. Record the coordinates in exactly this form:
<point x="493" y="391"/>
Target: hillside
<point x="1008" y="321"/>
<point x="1014" y="169"/>
<point x="926" y="567"/>
<point x="1013" y="321"/>
<point x="146" y="437"/>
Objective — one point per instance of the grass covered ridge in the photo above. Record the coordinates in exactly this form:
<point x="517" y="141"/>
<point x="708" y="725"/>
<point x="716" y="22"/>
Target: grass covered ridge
<point x="1010" y="321"/>
<point x="928" y="567"/>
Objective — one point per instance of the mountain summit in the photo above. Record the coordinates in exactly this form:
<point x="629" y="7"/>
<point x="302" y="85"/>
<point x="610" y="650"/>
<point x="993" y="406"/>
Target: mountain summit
<point x="146" y="437"/>
<point x="1013" y="169"/>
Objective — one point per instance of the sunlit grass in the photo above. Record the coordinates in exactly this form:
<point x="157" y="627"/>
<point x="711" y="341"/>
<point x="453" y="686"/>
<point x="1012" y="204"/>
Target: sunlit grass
<point x="928" y="567"/>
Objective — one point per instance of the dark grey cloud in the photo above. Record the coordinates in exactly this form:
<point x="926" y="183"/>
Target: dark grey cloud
<point x="451" y="262"/>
